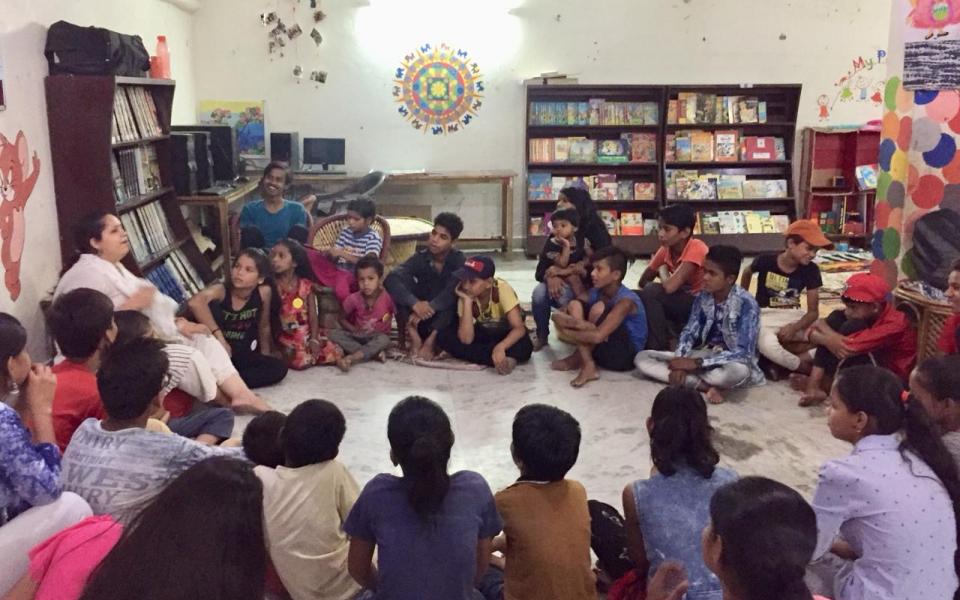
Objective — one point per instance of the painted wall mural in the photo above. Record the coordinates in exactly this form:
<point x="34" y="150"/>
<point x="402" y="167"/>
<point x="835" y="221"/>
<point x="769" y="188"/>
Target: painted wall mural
<point x="862" y="83"/>
<point x="18" y="175"/>
<point x="439" y="89"/>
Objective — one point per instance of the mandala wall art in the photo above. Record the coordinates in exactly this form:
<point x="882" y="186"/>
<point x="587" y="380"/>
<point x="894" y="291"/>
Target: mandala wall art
<point x="439" y="89"/>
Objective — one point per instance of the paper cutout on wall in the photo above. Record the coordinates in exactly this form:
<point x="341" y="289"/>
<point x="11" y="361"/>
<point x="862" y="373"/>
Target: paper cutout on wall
<point x="439" y="89"/>
<point x="930" y="19"/>
<point x="18" y="176"/>
<point x="246" y="117"/>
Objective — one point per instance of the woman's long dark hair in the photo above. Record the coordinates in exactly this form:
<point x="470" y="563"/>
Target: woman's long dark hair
<point x="262" y="263"/>
<point x="768" y="534"/>
<point x="301" y="262"/>
<point x="589" y="219"/>
<point x="13" y="339"/>
<point x="90" y="226"/>
<point x="680" y="432"/>
<point x="879" y="393"/>
<point x="421" y="438"/>
<point x="202" y="537"/>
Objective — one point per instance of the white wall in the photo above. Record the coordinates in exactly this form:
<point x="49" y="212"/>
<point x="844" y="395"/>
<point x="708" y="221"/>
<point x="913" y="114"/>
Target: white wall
<point x="23" y="26"/>
<point x="598" y="41"/>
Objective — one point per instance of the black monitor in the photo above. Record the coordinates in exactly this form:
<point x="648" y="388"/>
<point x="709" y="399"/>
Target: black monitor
<point x="324" y="151"/>
<point x="223" y="149"/>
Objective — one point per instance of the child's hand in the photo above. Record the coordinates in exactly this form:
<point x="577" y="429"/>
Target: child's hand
<point x="677" y="377"/>
<point x="40" y="389"/>
<point x="564" y="242"/>
<point x="668" y="583"/>
<point x="461" y="293"/>
<point x="787" y="332"/>
<point x="550" y="272"/>
<point x="683" y="364"/>
<point x="423" y="310"/>
<point x="499" y="355"/>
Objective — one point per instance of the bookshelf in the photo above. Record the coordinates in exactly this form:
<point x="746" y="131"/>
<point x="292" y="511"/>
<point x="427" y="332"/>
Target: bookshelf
<point x="110" y="143"/>
<point x="758" y="122"/>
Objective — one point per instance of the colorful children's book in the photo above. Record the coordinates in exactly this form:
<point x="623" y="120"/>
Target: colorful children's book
<point x="625" y="189"/>
<point x="754" y="222"/>
<point x="561" y="150"/>
<point x="701" y="146"/>
<point x="727" y="145"/>
<point x="867" y="176"/>
<point x="610" y="220"/>
<point x="651" y="113"/>
<point x="709" y="223"/>
<point x="583" y="150"/>
<point x="539" y="186"/>
<point x="683" y="146"/>
<point x="642" y="146"/>
<point x="612" y="151"/>
<point x="644" y="190"/>
<point x="781" y="223"/>
<point x="672" y="112"/>
<point x="730" y="187"/>
<point x="631" y="223"/>
<point x="670" y="152"/>
<point x="596" y="106"/>
<point x="703" y="188"/>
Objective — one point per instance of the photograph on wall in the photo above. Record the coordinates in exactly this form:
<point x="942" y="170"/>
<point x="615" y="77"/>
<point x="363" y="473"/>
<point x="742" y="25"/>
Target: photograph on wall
<point x="245" y="116"/>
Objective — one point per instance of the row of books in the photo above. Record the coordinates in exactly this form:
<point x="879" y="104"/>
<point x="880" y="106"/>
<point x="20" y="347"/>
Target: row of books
<point x="740" y="221"/>
<point x="176" y="277"/>
<point x="604" y="186"/>
<point x="595" y="111"/>
<point x="692" y="108"/>
<point x="148" y="230"/>
<point x="628" y="148"/>
<point x="136" y="171"/>
<point x="134" y="115"/>
<point x="617" y="223"/>
<point x="839" y="220"/>
<point x="695" y="185"/>
<point x="722" y="146"/>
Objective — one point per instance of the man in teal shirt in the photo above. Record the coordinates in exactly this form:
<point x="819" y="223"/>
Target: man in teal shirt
<point x="265" y="222"/>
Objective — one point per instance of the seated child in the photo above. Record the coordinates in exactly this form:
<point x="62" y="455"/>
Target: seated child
<point x="679" y="265"/>
<point x="546" y="525"/>
<point x="935" y="384"/>
<point x="200" y="418"/>
<point x="781" y="278"/>
<point x="334" y="266"/>
<point x="423" y="287"/>
<point x="82" y="325"/>
<point x="301" y="339"/>
<point x="305" y="502"/>
<point x="490" y="330"/>
<point x="950" y="334"/>
<point x="116" y="465"/>
<point x="718" y="347"/>
<point x="261" y="439"/>
<point x="560" y="271"/>
<point x="366" y="318"/>
<point x="608" y="324"/>
<point x="868" y="326"/>
<point x="272" y="218"/>
<point x="433" y="531"/>
<point x="240" y="313"/>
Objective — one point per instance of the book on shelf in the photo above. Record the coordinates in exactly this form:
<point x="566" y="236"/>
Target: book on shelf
<point x="759" y="148"/>
<point x="631" y="223"/>
<point x="693" y="184"/>
<point x="583" y="151"/>
<point x="539" y="186"/>
<point x="148" y="230"/>
<point x="642" y="147"/>
<point x="610" y="220"/>
<point x="625" y="188"/>
<point x="561" y="150"/>
<point x="134" y="115"/>
<point x="693" y="108"/>
<point x="644" y="190"/>
<point x="701" y="146"/>
<point x="730" y="187"/>
<point x="727" y="145"/>
<point x="765" y="188"/>
<point x="670" y="151"/>
<point x="176" y="277"/>
<point x="135" y="172"/>
<point x="595" y="111"/>
<point x="612" y="151"/>
<point x="866" y="176"/>
<point x="702" y="188"/>
<point x="683" y="148"/>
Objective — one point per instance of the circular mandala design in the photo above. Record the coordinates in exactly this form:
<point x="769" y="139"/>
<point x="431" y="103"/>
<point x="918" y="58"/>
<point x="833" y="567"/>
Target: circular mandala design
<point x="439" y="89"/>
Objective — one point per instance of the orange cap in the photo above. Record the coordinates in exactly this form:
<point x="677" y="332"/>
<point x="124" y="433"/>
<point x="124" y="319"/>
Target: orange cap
<point x="810" y="232"/>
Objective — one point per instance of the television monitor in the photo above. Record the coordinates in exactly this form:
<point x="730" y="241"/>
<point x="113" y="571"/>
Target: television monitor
<point x="324" y="151"/>
<point x="223" y="149"/>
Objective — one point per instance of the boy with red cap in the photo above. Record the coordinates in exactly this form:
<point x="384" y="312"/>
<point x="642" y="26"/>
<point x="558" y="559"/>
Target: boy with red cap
<point x="948" y="343"/>
<point x="781" y="278"/>
<point x="490" y="329"/>
<point x="868" y="329"/>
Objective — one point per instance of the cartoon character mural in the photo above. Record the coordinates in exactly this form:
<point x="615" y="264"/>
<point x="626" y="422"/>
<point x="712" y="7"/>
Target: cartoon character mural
<point x="934" y="16"/>
<point x="18" y="175"/>
<point x="861" y="83"/>
<point x="824" y="103"/>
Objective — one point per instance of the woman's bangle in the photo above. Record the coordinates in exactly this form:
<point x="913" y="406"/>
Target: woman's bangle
<point x="215" y="331"/>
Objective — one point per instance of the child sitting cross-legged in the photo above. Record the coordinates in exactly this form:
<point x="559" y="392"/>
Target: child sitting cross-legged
<point x="560" y="271"/>
<point x="305" y="502"/>
<point x="546" y="524"/>
<point x="116" y="465"/>
<point x="366" y="318"/>
<point x="718" y="347"/>
<point x="608" y="324"/>
<point x="333" y="266"/>
<point x="490" y="329"/>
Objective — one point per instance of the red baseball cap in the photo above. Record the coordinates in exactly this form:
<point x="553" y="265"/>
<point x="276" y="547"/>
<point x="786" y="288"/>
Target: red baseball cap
<point x="866" y="287"/>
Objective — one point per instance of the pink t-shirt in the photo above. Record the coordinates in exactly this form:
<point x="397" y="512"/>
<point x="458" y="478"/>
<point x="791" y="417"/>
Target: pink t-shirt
<point x="377" y="318"/>
<point x="61" y="565"/>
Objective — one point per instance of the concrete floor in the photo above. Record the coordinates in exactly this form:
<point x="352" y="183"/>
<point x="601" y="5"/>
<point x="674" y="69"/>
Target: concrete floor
<point x="759" y="431"/>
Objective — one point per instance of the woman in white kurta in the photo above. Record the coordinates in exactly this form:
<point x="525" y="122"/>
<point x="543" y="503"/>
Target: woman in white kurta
<point x="103" y="243"/>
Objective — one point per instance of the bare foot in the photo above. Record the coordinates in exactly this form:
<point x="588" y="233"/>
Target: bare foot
<point x="344" y="363"/>
<point x="587" y="374"/>
<point x="812" y="398"/>
<point x="713" y="396"/>
<point x="567" y="364"/>
<point x="415" y="342"/>
<point x="798" y="381"/>
<point x="540" y="343"/>
<point x="249" y="405"/>
<point x="382" y="356"/>
<point x="507" y="366"/>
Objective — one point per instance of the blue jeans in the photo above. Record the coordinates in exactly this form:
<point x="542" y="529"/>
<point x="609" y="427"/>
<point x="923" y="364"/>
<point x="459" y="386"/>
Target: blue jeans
<point x="542" y="303"/>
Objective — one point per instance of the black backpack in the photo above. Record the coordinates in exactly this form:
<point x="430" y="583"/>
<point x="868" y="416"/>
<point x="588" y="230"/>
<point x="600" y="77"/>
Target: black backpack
<point x="936" y="244"/>
<point x="76" y="50"/>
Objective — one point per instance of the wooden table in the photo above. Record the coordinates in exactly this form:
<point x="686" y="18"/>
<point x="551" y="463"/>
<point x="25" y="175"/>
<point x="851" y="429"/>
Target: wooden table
<point x="221" y="204"/>
<point x="504" y="178"/>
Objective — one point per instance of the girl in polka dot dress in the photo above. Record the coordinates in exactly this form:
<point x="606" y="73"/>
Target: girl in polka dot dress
<point x="301" y="340"/>
<point x="887" y="513"/>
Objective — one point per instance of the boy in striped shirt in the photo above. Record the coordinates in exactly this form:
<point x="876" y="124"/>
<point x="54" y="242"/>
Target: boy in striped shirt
<point x="334" y="266"/>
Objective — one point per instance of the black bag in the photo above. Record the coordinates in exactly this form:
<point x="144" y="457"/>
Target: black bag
<point x="76" y="50"/>
<point x="936" y="244"/>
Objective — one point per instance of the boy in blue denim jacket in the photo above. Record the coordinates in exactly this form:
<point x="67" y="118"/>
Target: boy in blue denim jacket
<point x="718" y="346"/>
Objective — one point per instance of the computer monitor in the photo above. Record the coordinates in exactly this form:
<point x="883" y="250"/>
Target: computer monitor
<point x="324" y="151"/>
<point x="223" y="149"/>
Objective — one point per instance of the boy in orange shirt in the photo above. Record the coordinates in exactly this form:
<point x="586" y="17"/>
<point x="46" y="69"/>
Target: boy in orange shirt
<point x="679" y="265"/>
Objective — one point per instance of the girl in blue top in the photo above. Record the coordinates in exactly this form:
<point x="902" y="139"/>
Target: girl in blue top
<point x="666" y="513"/>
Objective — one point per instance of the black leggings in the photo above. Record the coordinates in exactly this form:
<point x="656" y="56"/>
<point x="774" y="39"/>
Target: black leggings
<point x="827" y="360"/>
<point x="666" y="314"/>
<point x="258" y="370"/>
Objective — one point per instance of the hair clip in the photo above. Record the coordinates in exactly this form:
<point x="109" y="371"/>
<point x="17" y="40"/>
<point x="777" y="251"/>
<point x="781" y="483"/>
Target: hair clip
<point x="905" y="396"/>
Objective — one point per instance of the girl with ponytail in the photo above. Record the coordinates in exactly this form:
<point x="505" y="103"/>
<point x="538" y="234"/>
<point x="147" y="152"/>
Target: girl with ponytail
<point x="936" y="385"/>
<point x="666" y="513"/>
<point x="893" y="501"/>
<point x="434" y="530"/>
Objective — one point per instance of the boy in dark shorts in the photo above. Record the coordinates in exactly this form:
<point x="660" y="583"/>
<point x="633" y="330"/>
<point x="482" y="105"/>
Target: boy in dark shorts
<point x="608" y="323"/>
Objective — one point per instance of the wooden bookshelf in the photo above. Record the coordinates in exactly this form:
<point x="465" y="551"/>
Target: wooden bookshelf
<point x="80" y="112"/>
<point x="782" y="103"/>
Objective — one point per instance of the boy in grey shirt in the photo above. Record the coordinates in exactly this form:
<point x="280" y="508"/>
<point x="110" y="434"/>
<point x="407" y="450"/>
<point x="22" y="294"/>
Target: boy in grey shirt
<point x="116" y="465"/>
